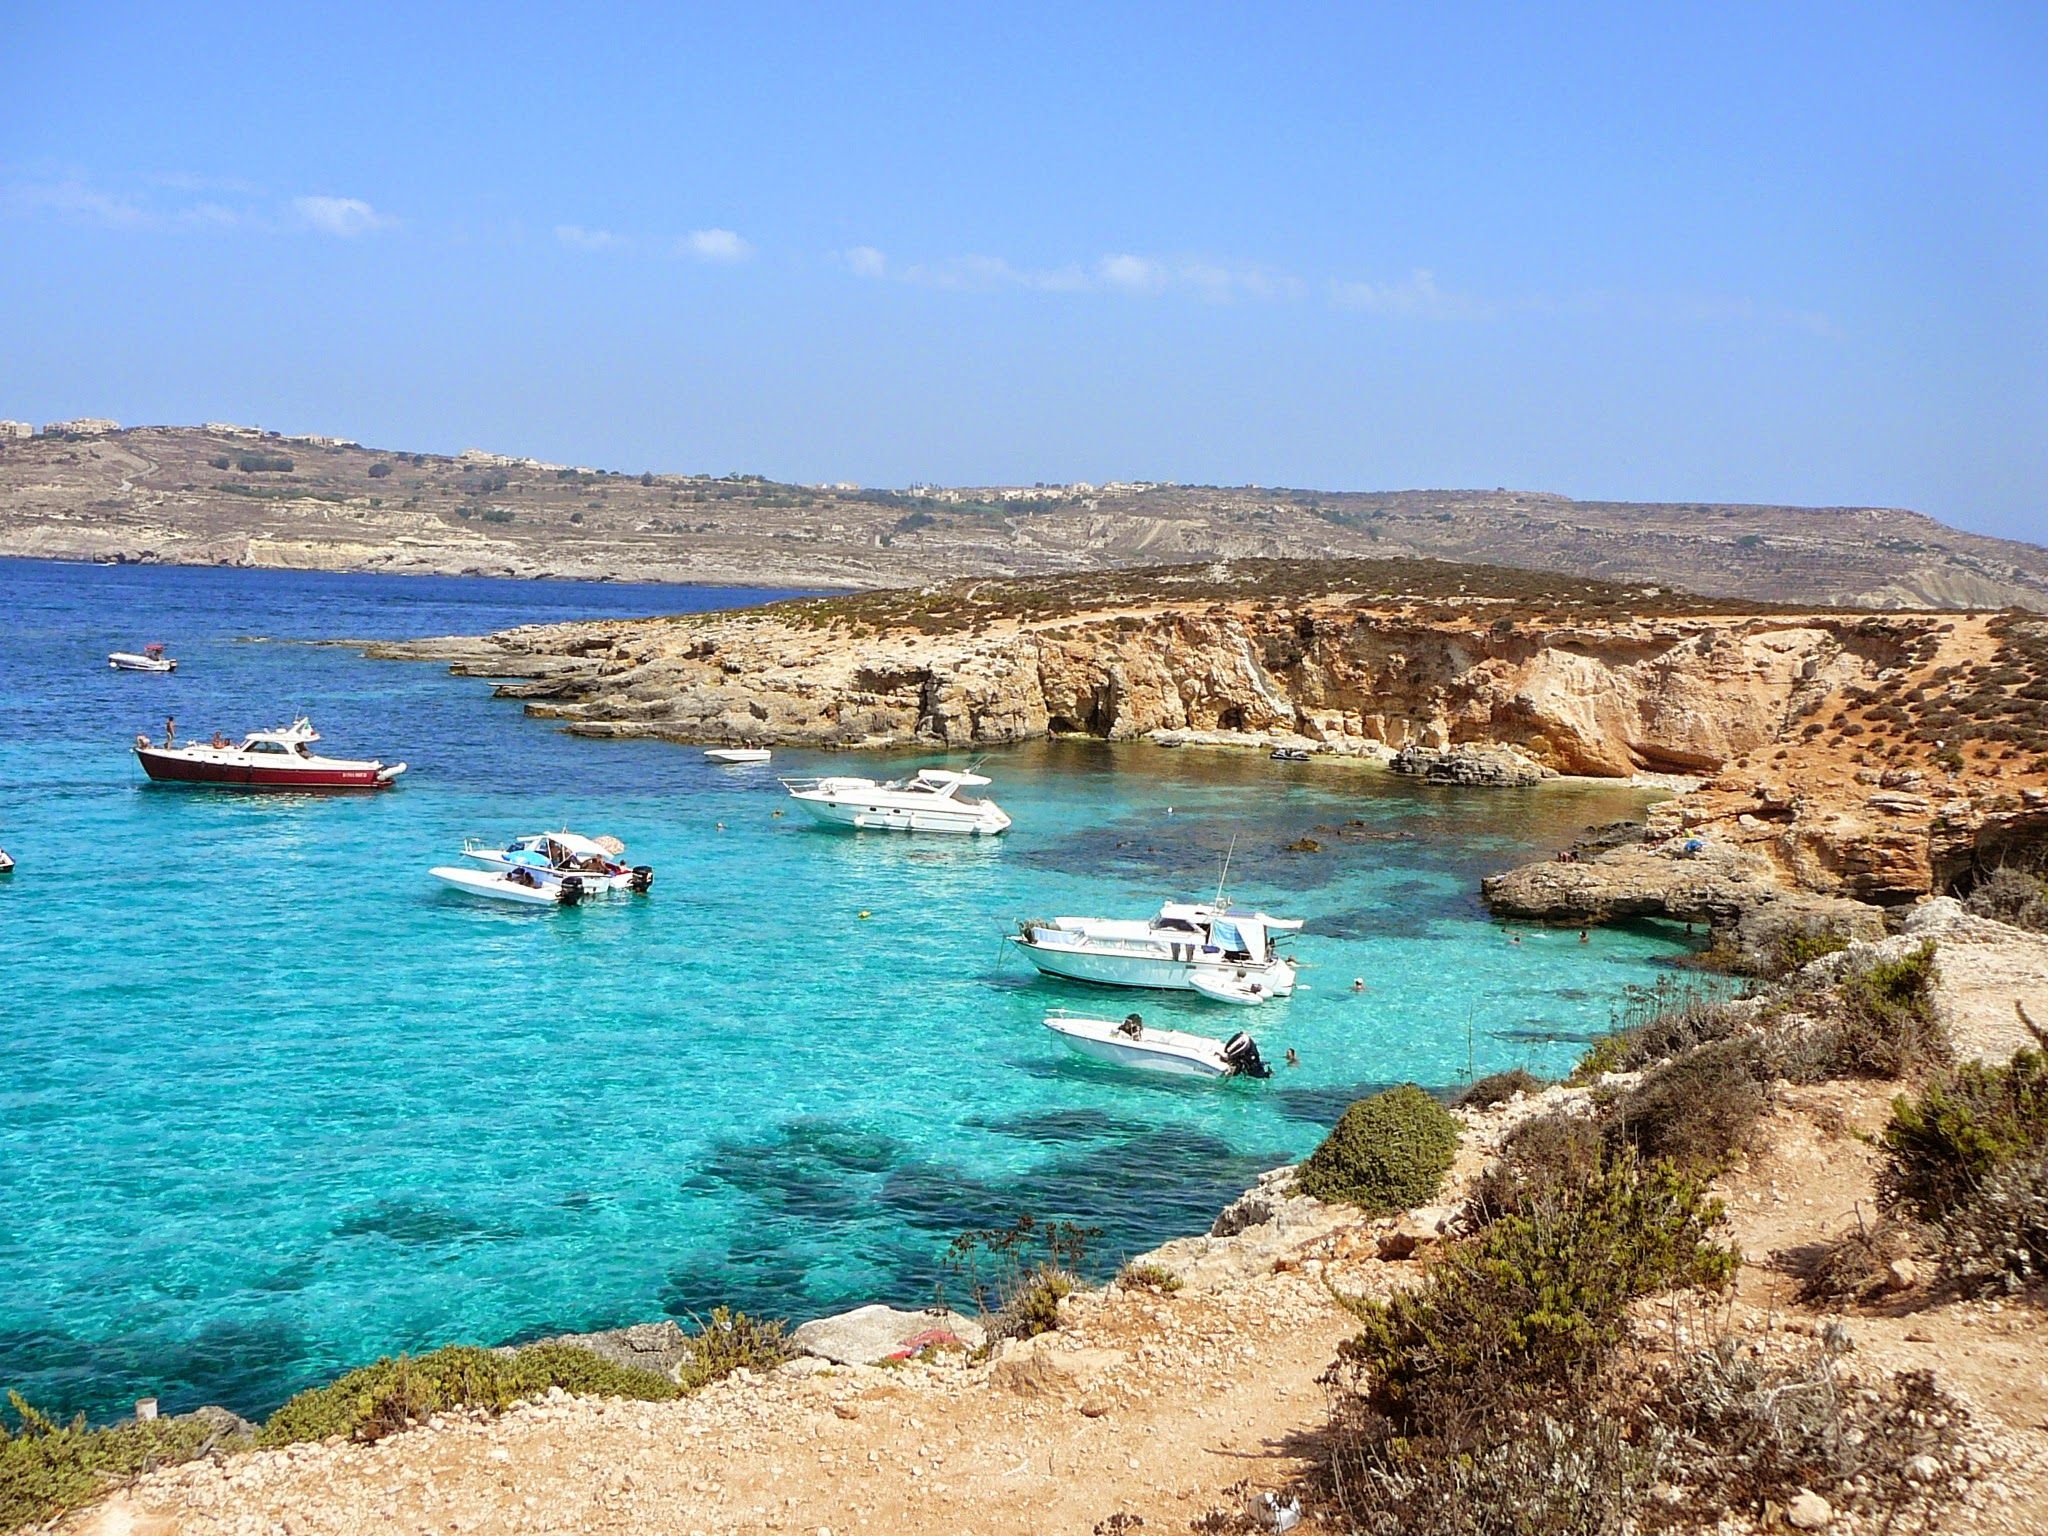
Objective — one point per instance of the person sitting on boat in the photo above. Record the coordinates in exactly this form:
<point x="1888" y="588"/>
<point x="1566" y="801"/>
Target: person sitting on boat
<point x="521" y="875"/>
<point x="220" y="740"/>
<point x="1133" y="1027"/>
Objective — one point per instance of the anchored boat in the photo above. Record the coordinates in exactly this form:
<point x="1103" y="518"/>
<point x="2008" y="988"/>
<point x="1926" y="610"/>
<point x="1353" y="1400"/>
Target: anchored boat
<point x="1220" y="951"/>
<point x="599" y="863"/>
<point x="1134" y="1043"/>
<point x="150" y="658"/>
<point x="728" y="756"/>
<point x="279" y="759"/>
<point x="929" y="800"/>
<point x="520" y="884"/>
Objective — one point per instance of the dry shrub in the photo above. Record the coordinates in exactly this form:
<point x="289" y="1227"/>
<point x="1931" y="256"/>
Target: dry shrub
<point x="1856" y="1267"/>
<point x="1943" y="1143"/>
<point x="1741" y="1430"/>
<point x="1882" y="1024"/>
<point x="1997" y="1239"/>
<point x="2012" y="896"/>
<point x="1698" y="1110"/>
<point x="1694" y="1022"/>
<point x="1485" y="1092"/>
<point x="1539" y="1162"/>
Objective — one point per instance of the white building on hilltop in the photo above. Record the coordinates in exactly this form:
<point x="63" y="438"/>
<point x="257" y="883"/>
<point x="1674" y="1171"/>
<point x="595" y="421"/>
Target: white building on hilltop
<point x="13" y="431"/>
<point x="82" y="426"/>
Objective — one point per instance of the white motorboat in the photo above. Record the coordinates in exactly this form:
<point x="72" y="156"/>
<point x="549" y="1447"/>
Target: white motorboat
<point x="6" y="863"/>
<point x="520" y="885"/>
<point x="1229" y="948"/>
<point x="929" y="800"/>
<point x="150" y="658"/>
<point x="599" y="863"/>
<point x="728" y="756"/>
<point x="1134" y="1043"/>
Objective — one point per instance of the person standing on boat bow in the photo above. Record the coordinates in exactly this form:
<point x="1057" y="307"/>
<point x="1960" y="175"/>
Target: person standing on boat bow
<point x="170" y="732"/>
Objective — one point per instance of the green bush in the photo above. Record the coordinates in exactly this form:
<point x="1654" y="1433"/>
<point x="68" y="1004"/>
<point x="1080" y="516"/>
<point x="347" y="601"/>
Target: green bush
<point x="264" y="463"/>
<point x="1800" y="947"/>
<point x="1540" y="1297"/>
<point x="497" y="514"/>
<point x="1944" y="1143"/>
<point x="725" y="1342"/>
<point x="1697" y="1111"/>
<point x="1498" y="1088"/>
<point x="47" y="1467"/>
<point x="1886" y="1025"/>
<point x="1385" y="1154"/>
<point x="1603" y="1056"/>
<point x="379" y="470"/>
<point x="1148" y="1277"/>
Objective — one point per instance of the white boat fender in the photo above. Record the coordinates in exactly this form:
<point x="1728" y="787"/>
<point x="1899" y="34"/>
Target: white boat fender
<point x="1241" y="1051"/>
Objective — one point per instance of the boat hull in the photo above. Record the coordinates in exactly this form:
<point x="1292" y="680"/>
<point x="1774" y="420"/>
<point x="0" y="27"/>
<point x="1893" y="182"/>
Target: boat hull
<point x="174" y="768"/>
<point x="732" y="756"/>
<point x="121" y="661"/>
<point x="961" y="821"/>
<point x="1093" y="1042"/>
<point x="1160" y="974"/>
<point x="476" y="882"/>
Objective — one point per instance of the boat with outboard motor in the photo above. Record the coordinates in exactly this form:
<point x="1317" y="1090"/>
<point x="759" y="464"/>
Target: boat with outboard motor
<point x="1221" y="951"/>
<point x="521" y="884"/>
<point x="929" y="800"/>
<point x="277" y="759"/>
<point x="1134" y="1043"/>
<point x="150" y="658"/>
<point x="728" y="757"/>
<point x="598" y="863"/>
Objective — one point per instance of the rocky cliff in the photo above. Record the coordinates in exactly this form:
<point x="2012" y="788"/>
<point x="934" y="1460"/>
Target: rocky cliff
<point x="1843" y="753"/>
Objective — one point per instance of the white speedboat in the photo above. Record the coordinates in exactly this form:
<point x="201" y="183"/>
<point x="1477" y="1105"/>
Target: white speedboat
<point x="728" y="756"/>
<point x="150" y="658"/>
<point x="520" y="885"/>
<point x="929" y="800"/>
<point x="6" y="863"/>
<point x="1134" y="1043"/>
<point x="599" y="863"/>
<point x="1229" y="949"/>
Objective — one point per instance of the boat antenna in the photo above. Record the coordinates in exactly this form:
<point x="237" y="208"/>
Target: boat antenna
<point x="1225" y="875"/>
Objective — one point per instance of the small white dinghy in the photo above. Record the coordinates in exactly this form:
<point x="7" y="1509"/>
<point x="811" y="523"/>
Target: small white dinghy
<point x="518" y="884"/>
<point x="1134" y="1043"/>
<point x="150" y="658"/>
<point x="731" y="755"/>
<point x="1245" y="991"/>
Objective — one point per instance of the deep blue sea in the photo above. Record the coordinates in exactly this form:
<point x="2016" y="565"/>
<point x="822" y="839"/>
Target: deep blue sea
<point x="273" y="1102"/>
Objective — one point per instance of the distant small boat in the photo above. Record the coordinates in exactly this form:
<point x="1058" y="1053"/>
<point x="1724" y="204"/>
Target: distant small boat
<point x="6" y="863"/>
<point x="1134" y="1043"/>
<point x="519" y="884"/>
<point x="731" y="755"/>
<point x="150" y="658"/>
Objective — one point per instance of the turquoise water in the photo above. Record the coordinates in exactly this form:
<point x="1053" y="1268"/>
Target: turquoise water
<point x="273" y="1102"/>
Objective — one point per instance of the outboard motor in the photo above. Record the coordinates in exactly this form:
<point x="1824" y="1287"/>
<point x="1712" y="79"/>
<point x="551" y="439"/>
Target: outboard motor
<point x="642" y="879"/>
<point x="572" y="890"/>
<point x="1242" y="1052"/>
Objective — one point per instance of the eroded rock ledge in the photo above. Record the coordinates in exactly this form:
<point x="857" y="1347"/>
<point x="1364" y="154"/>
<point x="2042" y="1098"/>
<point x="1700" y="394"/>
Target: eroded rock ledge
<point x="1845" y="754"/>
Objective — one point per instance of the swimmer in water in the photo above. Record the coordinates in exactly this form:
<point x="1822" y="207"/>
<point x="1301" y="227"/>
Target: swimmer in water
<point x="1292" y="1059"/>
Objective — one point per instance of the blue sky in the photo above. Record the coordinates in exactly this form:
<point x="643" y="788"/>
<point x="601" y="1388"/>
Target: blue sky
<point x="1762" y="253"/>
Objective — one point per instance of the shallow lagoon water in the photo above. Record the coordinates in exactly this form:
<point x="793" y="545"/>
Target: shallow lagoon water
<point x="272" y="1102"/>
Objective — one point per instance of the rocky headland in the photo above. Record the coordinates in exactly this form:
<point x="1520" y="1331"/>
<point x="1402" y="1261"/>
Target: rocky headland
<point x="1835" y="755"/>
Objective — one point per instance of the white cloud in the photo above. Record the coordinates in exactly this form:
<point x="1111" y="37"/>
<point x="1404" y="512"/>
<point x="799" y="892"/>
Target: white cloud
<point x="866" y="261"/>
<point x="1133" y="274"/>
<point x="576" y="237"/>
<point x="719" y="245"/>
<point x="1418" y="296"/>
<point x="211" y="216"/>
<point x="343" y="216"/>
<point x="73" y="200"/>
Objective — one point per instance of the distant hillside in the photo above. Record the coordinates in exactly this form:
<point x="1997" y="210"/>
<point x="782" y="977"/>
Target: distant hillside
<point x="223" y="496"/>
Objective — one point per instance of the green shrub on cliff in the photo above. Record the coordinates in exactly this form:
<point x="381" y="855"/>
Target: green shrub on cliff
<point x="47" y="1467"/>
<point x="1945" y="1142"/>
<point x="1697" y="1110"/>
<point x="1385" y="1154"/>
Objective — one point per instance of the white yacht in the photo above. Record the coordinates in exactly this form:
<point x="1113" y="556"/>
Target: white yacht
<point x="598" y="863"/>
<point x="1218" y="950"/>
<point x="1134" y="1043"/>
<point x="929" y="800"/>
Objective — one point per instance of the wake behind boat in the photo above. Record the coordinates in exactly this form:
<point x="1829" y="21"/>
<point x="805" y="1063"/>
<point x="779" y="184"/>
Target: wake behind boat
<point x="1220" y="951"/>
<point x="929" y="800"/>
<point x="1134" y="1043"/>
<point x="277" y="759"/>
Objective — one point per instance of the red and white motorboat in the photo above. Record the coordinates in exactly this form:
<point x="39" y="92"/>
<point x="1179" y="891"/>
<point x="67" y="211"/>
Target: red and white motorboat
<point x="150" y="658"/>
<point x="279" y="759"/>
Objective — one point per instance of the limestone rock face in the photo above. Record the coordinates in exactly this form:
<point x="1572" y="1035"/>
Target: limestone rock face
<point x="662" y="1348"/>
<point x="1471" y="764"/>
<point x="872" y="1334"/>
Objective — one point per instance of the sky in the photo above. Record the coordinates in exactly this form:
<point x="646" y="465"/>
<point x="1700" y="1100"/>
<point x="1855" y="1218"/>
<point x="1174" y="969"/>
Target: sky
<point x="1730" y="252"/>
